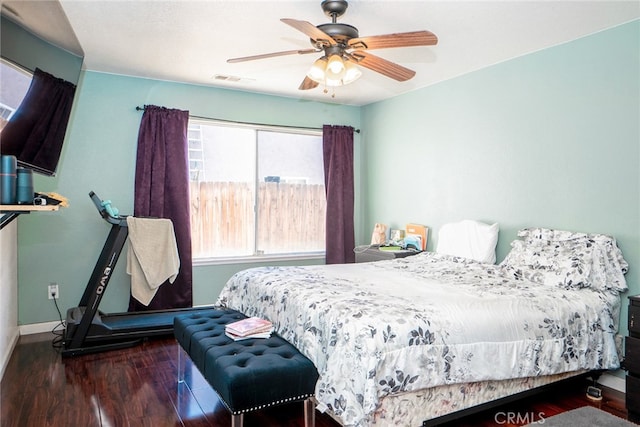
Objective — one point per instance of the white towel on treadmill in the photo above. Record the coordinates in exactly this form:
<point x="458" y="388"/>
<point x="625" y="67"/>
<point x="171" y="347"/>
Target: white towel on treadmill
<point x="152" y="257"/>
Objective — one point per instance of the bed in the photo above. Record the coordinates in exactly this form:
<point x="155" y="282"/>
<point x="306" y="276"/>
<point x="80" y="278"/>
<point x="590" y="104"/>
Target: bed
<point x="404" y="341"/>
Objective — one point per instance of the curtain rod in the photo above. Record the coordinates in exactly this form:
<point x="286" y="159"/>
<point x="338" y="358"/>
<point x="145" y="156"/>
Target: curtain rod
<point x="138" y="108"/>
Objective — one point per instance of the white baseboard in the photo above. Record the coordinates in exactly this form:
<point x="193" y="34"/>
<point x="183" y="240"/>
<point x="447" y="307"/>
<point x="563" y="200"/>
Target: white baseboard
<point x="37" y="328"/>
<point x="5" y="357"/>
<point x="33" y="328"/>
<point x="612" y="381"/>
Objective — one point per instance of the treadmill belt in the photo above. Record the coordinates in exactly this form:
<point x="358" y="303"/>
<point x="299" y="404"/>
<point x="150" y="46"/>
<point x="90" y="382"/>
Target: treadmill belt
<point x="140" y="320"/>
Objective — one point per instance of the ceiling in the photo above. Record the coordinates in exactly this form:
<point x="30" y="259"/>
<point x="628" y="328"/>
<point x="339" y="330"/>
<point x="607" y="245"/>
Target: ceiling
<point x="190" y="41"/>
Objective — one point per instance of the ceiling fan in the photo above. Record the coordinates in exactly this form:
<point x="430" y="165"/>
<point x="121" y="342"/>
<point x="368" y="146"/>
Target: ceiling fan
<point x="344" y="49"/>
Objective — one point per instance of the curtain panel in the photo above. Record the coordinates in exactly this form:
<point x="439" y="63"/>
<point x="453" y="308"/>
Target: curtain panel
<point x="162" y="191"/>
<point x="337" y="145"/>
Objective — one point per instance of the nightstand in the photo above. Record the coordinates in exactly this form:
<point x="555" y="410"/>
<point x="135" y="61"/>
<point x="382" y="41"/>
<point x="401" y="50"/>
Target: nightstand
<point x="368" y="253"/>
<point x="632" y="360"/>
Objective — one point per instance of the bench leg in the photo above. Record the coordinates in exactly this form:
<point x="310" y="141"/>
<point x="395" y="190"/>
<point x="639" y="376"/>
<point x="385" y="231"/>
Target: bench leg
<point x="237" y="420"/>
<point x="309" y="413"/>
<point x="181" y="364"/>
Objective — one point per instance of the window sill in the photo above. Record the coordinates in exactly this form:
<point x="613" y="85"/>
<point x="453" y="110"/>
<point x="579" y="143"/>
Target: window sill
<point x="256" y="259"/>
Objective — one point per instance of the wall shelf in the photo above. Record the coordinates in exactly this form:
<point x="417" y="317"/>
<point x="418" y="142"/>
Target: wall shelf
<point x="11" y="212"/>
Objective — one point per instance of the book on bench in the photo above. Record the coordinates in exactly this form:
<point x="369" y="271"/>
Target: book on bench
<point x="239" y="338"/>
<point x="252" y="327"/>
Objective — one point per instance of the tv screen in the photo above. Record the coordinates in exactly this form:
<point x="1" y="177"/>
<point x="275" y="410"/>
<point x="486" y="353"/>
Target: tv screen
<point x="36" y="125"/>
<point x="35" y="132"/>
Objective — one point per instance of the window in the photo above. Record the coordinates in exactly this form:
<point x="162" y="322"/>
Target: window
<point x="6" y="112"/>
<point x="255" y="191"/>
<point x="14" y="84"/>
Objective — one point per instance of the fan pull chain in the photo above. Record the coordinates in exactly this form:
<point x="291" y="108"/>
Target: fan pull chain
<point x="333" y="92"/>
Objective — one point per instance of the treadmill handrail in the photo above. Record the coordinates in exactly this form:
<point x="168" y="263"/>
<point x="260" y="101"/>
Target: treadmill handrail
<point x="116" y="220"/>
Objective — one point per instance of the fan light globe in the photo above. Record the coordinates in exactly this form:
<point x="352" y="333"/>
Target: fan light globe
<point x="334" y="76"/>
<point x="335" y="64"/>
<point x="332" y="82"/>
<point x="352" y="73"/>
<point x="316" y="72"/>
<point x="335" y="71"/>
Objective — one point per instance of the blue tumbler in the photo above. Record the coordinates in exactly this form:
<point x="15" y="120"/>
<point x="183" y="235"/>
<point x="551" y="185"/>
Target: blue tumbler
<point x="8" y="180"/>
<point x="24" y="186"/>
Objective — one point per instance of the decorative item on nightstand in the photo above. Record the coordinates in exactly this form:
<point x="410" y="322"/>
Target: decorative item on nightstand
<point x="379" y="235"/>
<point x="413" y="232"/>
<point x="396" y="237"/>
<point x="632" y="360"/>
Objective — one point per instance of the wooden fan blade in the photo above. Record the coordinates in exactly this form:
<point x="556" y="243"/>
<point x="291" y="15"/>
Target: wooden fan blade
<point x="382" y="66"/>
<point x="415" y="38"/>
<point x="310" y="30"/>
<point x="273" y="54"/>
<point x="307" y="84"/>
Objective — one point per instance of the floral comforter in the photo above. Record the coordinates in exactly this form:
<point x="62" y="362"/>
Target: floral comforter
<point x="388" y="327"/>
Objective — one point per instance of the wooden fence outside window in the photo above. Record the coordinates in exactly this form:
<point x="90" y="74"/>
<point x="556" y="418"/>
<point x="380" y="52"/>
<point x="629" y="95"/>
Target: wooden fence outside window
<point x="291" y="218"/>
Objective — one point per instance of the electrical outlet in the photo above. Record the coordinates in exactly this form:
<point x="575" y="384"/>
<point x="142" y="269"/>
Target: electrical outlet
<point x="53" y="291"/>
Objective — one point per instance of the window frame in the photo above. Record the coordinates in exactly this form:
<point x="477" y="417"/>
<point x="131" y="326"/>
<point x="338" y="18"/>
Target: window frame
<point x="256" y="257"/>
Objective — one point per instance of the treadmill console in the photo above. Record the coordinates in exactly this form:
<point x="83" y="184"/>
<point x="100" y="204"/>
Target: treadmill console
<point x="105" y="209"/>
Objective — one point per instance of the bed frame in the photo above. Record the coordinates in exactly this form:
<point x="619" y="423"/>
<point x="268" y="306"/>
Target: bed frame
<point x="593" y="375"/>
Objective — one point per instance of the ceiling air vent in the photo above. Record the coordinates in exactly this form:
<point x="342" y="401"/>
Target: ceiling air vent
<point x="222" y="77"/>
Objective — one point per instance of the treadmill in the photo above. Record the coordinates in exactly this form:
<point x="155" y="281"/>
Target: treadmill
<point x="88" y="330"/>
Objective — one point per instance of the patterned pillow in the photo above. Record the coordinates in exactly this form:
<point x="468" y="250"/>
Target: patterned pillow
<point x="546" y="235"/>
<point x="567" y="259"/>
<point x="566" y="264"/>
<point x="609" y="266"/>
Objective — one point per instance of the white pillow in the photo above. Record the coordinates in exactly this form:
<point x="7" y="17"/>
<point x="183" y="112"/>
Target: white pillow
<point x="470" y="239"/>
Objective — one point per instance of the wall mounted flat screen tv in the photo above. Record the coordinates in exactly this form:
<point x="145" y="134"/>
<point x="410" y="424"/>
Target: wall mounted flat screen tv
<point x="33" y="127"/>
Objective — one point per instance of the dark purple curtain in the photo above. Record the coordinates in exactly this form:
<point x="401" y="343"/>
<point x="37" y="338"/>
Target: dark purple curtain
<point x="337" y="145"/>
<point x="35" y="132"/>
<point x="162" y="191"/>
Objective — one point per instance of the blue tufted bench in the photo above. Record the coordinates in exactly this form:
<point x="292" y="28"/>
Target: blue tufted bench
<point x="249" y="374"/>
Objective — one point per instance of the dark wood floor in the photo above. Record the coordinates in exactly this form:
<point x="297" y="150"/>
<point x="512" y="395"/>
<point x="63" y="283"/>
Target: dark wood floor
<point x="137" y="387"/>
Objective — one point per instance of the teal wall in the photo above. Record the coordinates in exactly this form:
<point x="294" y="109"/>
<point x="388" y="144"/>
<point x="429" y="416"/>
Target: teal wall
<point x="99" y="155"/>
<point x="29" y="51"/>
<point x="550" y="139"/>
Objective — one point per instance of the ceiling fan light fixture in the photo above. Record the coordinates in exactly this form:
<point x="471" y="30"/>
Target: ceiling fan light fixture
<point x="321" y="72"/>
<point x="335" y="64"/>
<point x="330" y="82"/>
<point x="335" y="71"/>
<point x="352" y="73"/>
<point x="316" y="72"/>
<point x="333" y="77"/>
